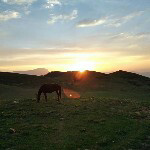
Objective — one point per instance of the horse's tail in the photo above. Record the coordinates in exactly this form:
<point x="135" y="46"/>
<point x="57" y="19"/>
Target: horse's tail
<point x="60" y="91"/>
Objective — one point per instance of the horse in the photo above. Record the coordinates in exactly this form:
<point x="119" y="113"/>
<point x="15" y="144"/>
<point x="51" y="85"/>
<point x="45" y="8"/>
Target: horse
<point x="49" y="88"/>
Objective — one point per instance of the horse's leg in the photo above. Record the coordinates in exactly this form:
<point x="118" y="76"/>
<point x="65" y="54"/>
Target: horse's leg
<point x="45" y="96"/>
<point x="57" y="94"/>
<point x="38" y="96"/>
<point x="60" y="92"/>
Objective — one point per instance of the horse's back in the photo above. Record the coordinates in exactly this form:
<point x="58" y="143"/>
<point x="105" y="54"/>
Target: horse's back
<point x="50" y="87"/>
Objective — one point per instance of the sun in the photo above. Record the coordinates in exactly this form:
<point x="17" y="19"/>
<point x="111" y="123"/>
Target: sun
<point x="82" y="66"/>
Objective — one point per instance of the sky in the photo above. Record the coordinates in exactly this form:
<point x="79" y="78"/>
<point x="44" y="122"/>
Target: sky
<point x="101" y="35"/>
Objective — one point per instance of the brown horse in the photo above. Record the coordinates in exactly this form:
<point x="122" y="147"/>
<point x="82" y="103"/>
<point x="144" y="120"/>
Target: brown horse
<point x="49" y="88"/>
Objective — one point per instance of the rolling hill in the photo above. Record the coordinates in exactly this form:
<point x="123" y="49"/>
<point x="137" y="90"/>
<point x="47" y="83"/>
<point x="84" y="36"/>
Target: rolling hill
<point x="89" y="80"/>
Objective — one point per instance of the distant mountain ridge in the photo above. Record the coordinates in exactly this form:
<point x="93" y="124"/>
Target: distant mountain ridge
<point x="38" y="72"/>
<point x="89" y="80"/>
<point x="117" y="74"/>
<point x="128" y="75"/>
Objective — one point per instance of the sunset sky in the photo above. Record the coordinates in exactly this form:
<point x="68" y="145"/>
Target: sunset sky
<point x="101" y="35"/>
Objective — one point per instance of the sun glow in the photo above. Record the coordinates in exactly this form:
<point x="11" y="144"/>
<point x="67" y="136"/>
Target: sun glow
<point x="82" y="66"/>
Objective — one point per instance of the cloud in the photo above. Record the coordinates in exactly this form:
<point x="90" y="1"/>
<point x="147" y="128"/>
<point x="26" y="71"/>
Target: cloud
<point x="109" y="20"/>
<point x="24" y="4"/>
<point x="123" y="44"/>
<point x="8" y="15"/>
<point x="59" y="58"/>
<point x="26" y="51"/>
<point x="89" y="23"/>
<point x="29" y="56"/>
<point x="51" y="3"/>
<point x="55" y="18"/>
<point x="139" y="37"/>
<point x="19" y="2"/>
<point x="116" y="22"/>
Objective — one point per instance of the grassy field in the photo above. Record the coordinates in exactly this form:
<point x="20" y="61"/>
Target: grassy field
<point x="100" y="120"/>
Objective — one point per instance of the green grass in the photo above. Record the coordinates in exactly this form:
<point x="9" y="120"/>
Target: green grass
<point x="98" y="120"/>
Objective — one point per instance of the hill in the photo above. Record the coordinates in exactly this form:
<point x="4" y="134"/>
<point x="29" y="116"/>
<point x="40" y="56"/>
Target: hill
<point x="128" y="75"/>
<point x="131" y="78"/>
<point x="89" y="80"/>
<point x="21" y="80"/>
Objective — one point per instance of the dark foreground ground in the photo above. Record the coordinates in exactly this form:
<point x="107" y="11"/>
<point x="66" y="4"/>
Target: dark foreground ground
<point x="96" y="121"/>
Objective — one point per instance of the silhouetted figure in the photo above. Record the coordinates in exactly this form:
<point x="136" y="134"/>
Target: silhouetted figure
<point x="49" y="88"/>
